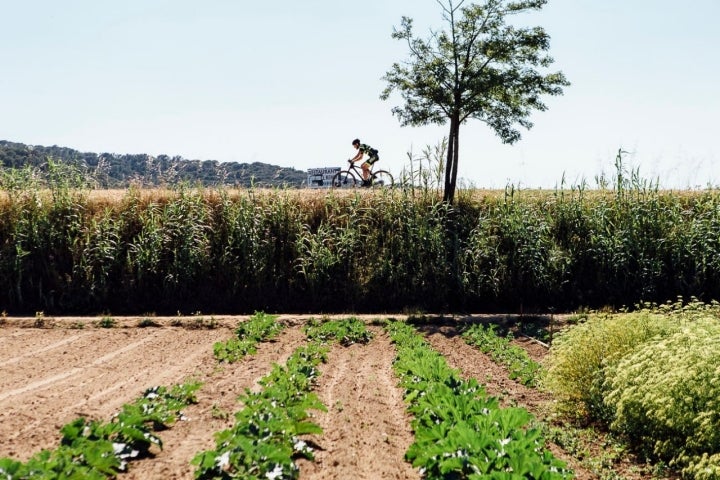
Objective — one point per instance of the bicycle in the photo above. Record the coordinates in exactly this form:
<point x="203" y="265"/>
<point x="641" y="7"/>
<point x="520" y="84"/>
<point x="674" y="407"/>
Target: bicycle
<point x="352" y="177"/>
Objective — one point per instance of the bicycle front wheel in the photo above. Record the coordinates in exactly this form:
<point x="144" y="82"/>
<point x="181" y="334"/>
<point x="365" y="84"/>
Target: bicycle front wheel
<point x="344" y="179"/>
<point x="382" y="179"/>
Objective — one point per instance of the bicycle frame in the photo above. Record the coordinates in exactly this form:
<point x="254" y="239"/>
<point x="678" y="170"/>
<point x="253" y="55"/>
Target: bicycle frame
<point x="353" y="175"/>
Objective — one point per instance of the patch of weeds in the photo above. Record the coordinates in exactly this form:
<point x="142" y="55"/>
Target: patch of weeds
<point x="574" y="319"/>
<point x="600" y="453"/>
<point x="380" y="322"/>
<point x="148" y="322"/>
<point x="39" y="320"/>
<point x="107" y="322"/>
<point x="219" y="413"/>
<point x="77" y="326"/>
<point x="660" y="470"/>
<point x="535" y="327"/>
<point x="200" y="323"/>
<point x="567" y="439"/>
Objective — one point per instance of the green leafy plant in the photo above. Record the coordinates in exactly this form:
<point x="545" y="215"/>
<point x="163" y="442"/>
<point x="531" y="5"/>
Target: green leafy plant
<point x="107" y="322"/>
<point x="265" y="440"/>
<point x="147" y="322"/>
<point x="90" y="449"/>
<point x="260" y="327"/>
<point x="347" y="331"/>
<point x="522" y="368"/>
<point x="460" y="432"/>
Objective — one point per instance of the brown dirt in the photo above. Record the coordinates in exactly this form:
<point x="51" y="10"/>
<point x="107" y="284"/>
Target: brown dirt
<point x="366" y="429"/>
<point x="52" y="371"/>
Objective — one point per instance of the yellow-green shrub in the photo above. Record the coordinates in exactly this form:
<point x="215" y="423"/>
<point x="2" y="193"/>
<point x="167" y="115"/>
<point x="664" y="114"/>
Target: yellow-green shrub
<point x="666" y="398"/>
<point x="580" y="355"/>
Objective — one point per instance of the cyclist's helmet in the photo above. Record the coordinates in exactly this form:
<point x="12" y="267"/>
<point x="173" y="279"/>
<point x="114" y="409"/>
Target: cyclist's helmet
<point x="356" y="141"/>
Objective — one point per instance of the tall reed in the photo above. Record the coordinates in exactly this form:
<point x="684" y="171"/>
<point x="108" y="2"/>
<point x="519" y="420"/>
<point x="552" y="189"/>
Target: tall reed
<point x="217" y="250"/>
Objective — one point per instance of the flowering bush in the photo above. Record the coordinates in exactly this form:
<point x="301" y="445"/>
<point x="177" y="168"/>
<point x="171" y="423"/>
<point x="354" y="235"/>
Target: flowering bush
<point x="665" y="397"/>
<point x="580" y="355"/>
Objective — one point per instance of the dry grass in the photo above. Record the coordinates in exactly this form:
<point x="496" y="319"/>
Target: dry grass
<point x="108" y="197"/>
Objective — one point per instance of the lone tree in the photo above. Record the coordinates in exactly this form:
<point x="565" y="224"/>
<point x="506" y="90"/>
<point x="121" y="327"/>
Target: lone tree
<point x="479" y="68"/>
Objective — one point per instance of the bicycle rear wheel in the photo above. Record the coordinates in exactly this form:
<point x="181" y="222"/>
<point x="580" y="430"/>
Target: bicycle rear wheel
<point x="382" y="179"/>
<point x="344" y="179"/>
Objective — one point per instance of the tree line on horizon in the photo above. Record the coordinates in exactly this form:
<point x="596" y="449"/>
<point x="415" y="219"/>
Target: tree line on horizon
<point x="112" y="170"/>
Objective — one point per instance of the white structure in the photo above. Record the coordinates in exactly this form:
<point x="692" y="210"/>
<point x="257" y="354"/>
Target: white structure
<point x="321" y="177"/>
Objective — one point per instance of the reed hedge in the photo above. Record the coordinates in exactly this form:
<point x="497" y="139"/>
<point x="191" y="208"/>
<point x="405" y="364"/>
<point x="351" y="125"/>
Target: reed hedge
<point x="67" y="250"/>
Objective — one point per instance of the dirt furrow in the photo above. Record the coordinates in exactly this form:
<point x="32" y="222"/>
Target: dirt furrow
<point x="66" y="373"/>
<point x="32" y="351"/>
<point x="115" y="368"/>
<point x="366" y="428"/>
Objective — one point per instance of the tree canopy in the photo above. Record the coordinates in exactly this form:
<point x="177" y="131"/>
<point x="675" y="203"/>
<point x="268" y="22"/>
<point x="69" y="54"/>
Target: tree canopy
<point x="112" y="170"/>
<point x="479" y="68"/>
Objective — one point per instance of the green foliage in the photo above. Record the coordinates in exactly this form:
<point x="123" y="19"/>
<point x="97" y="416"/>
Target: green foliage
<point x="479" y="68"/>
<point x="94" y="450"/>
<point x="460" y="432"/>
<point x="580" y="356"/>
<point x="260" y="327"/>
<point x="109" y="170"/>
<point x="346" y="332"/>
<point x="512" y="249"/>
<point x="222" y="251"/>
<point x="106" y="322"/>
<point x="522" y="368"/>
<point x="665" y="396"/>
<point x="265" y="440"/>
<point x="164" y="405"/>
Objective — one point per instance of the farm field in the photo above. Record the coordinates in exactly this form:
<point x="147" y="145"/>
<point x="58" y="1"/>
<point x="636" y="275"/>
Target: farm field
<point x="52" y="371"/>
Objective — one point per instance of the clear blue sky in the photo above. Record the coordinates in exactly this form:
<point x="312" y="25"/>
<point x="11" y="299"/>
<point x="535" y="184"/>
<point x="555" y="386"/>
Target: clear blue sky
<point x="292" y="83"/>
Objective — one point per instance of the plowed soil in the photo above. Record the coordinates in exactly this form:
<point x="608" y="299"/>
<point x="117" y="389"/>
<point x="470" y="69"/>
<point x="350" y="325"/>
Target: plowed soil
<point x="53" y="371"/>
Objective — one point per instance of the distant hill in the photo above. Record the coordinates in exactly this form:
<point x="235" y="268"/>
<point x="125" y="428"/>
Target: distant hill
<point x="112" y="170"/>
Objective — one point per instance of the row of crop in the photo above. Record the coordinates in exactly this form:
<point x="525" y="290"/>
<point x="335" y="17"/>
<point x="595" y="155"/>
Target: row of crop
<point x="499" y="347"/>
<point x="651" y="377"/>
<point x="94" y="450"/>
<point x="460" y="432"/>
<point x="207" y="250"/>
<point x="260" y="327"/>
<point x="266" y="438"/>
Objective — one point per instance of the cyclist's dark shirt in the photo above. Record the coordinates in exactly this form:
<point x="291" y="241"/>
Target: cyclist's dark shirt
<point x="371" y="152"/>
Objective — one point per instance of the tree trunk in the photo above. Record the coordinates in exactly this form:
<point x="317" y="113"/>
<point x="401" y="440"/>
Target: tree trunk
<point x="451" y="168"/>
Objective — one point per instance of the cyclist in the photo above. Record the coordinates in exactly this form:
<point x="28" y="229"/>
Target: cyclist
<point x="373" y="157"/>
